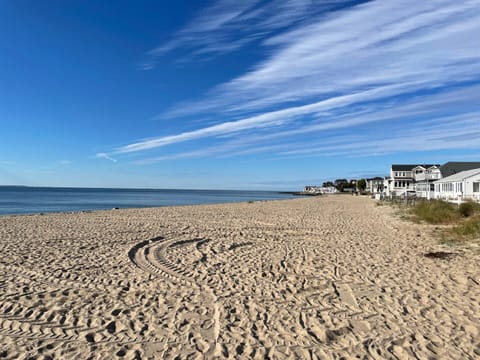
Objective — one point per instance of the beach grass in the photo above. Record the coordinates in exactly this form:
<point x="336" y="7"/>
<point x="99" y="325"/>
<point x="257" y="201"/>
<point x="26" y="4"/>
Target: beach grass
<point x="435" y="212"/>
<point x="463" y="221"/>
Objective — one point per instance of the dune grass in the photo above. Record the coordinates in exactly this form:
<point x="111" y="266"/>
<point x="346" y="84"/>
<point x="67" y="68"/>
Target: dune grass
<point x="465" y="219"/>
<point x="469" y="208"/>
<point x="435" y="212"/>
<point x="470" y="227"/>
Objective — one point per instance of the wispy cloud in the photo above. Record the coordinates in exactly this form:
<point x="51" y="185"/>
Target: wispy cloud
<point x="415" y="44"/>
<point x="105" y="156"/>
<point x="229" y="25"/>
<point x="269" y="119"/>
<point x="402" y="66"/>
<point x="339" y="133"/>
<point x="458" y="132"/>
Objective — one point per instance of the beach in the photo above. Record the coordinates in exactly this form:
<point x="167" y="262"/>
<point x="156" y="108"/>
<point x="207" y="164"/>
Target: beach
<point x="310" y="278"/>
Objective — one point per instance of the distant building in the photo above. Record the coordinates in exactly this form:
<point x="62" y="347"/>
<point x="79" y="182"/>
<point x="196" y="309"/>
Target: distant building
<point x="320" y="189"/>
<point x="419" y="179"/>
<point x="375" y="185"/>
<point x="401" y="181"/>
<point x="459" y="187"/>
<point x="424" y="176"/>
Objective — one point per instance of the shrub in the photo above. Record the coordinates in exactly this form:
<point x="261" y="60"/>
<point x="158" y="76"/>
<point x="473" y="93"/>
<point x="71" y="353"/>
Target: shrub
<point x="469" y="228"/>
<point x="468" y="208"/>
<point x="435" y="212"/>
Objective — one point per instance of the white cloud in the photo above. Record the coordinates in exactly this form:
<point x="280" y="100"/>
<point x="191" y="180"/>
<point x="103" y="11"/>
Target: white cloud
<point x="269" y="119"/>
<point x="332" y="74"/>
<point x="392" y="120"/>
<point x="228" y="25"/>
<point x="416" y="44"/>
<point x="105" y="156"/>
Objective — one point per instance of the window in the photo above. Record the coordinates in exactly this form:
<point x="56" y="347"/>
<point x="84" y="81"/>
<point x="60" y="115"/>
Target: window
<point x="476" y="187"/>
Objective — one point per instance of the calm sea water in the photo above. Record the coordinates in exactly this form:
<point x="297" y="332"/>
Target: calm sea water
<point x="27" y="200"/>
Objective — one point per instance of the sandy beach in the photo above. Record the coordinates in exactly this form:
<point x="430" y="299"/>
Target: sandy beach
<point x="311" y="278"/>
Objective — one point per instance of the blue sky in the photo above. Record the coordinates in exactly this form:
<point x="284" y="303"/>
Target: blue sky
<point x="234" y="94"/>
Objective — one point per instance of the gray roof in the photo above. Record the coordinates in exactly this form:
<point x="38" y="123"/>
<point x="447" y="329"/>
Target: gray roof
<point x="375" y="178"/>
<point x="459" y="176"/>
<point x="454" y="167"/>
<point x="406" y="167"/>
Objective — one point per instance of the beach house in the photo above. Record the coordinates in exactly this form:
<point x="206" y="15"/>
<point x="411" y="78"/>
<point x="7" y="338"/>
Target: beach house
<point x="418" y="180"/>
<point x="459" y="187"/>
<point x="424" y="176"/>
<point x="375" y="185"/>
<point x="401" y="181"/>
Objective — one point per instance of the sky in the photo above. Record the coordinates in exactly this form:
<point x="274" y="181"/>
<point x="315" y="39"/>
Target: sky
<point x="227" y="94"/>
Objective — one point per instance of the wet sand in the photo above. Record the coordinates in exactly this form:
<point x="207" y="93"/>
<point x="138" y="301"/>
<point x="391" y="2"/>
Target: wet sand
<point x="323" y="277"/>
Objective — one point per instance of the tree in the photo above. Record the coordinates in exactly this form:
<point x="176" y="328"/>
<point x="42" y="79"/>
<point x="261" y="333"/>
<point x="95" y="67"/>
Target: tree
<point x="327" y="184"/>
<point x="340" y="184"/>
<point x="361" y="185"/>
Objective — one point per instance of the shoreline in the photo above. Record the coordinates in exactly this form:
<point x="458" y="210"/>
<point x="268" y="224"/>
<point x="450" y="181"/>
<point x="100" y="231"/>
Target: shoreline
<point x="281" y="278"/>
<point x="44" y="213"/>
<point x="83" y="200"/>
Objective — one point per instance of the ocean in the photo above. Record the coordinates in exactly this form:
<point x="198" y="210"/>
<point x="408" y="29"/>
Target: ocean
<point x="29" y="200"/>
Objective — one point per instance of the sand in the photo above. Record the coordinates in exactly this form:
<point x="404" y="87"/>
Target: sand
<point x="330" y="277"/>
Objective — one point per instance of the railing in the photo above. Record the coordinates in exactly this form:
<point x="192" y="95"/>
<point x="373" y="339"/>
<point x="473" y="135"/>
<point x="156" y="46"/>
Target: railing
<point x="428" y="177"/>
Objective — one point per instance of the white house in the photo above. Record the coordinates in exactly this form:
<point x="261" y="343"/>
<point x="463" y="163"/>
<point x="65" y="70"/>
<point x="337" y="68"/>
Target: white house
<point x="424" y="176"/>
<point x="459" y="187"/>
<point x="401" y="181"/>
<point x="374" y="185"/>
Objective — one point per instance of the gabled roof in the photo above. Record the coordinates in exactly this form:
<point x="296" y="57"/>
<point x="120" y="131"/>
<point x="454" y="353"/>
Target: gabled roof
<point x="375" y="178"/>
<point x="426" y="166"/>
<point x="401" y="167"/>
<point x="460" y="176"/>
<point x="406" y="167"/>
<point x="454" y="167"/>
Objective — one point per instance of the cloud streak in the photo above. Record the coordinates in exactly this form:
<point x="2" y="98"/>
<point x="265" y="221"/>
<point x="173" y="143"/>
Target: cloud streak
<point x="105" y="156"/>
<point x="428" y="44"/>
<point x="229" y="25"/>
<point x="430" y="131"/>
<point x="358" y="69"/>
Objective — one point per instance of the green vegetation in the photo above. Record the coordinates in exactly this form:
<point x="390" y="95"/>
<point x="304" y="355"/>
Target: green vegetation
<point x="435" y="212"/>
<point x="464" y="218"/>
<point x="467" y="230"/>
<point x="361" y="184"/>
<point x="469" y="208"/>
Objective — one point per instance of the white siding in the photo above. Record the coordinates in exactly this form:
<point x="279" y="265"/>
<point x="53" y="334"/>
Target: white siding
<point x="459" y="187"/>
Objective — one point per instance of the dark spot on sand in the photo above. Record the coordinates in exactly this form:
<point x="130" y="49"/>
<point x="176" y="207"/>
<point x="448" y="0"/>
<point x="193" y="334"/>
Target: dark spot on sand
<point x="121" y="353"/>
<point x="90" y="338"/>
<point x="111" y="328"/>
<point x="440" y="255"/>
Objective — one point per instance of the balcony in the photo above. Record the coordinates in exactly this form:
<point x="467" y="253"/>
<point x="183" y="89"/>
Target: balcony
<point x="427" y="177"/>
